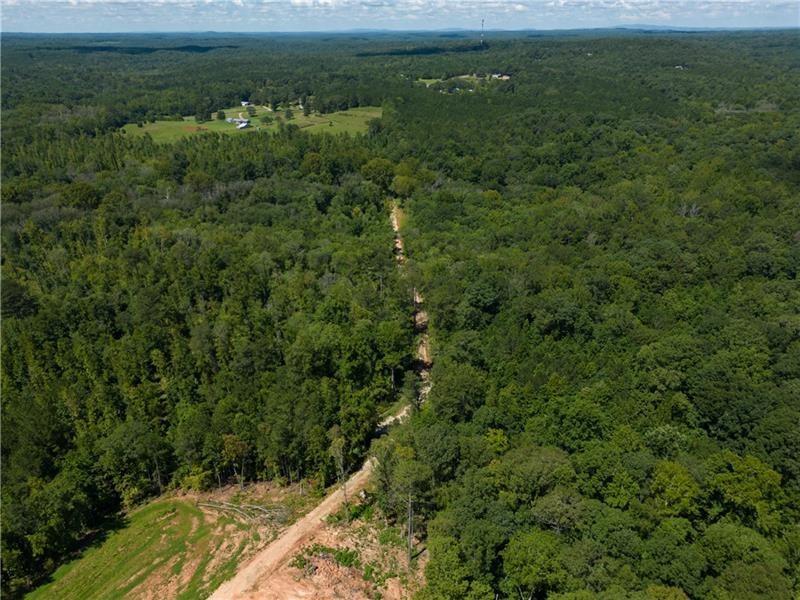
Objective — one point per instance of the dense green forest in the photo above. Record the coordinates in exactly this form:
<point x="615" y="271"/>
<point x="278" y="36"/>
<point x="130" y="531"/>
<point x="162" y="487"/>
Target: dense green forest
<point x="608" y="240"/>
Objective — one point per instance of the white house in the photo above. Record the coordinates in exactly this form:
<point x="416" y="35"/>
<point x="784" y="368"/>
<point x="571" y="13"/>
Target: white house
<point x="245" y="103"/>
<point x="243" y="125"/>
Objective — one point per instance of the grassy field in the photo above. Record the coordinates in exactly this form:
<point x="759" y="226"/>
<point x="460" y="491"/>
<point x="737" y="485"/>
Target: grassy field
<point x="350" y="121"/>
<point x="168" y="549"/>
<point x="472" y="79"/>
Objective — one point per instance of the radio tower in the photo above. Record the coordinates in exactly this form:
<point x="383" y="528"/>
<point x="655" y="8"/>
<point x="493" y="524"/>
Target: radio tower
<point x="481" y="32"/>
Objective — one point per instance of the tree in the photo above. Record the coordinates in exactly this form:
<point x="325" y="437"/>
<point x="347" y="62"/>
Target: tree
<point x="412" y="480"/>
<point x="776" y="439"/>
<point x="136" y="459"/>
<point x="741" y="581"/>
<point x="533" y="565"/>
<point x="235" y="451"/>
<point x="745" y="488"/>
<point x="528" y="472"/>
<point x="80" y="195"/>
<point x="385" y="457"/>
<point x="562" y="510"/>
<point x="403" y="484"/>
<point x="358" y="419"/>
<point x="61" y="512"/>
<point x="725" y="543"/>
<point x="16" y="302"/>
<point x="661" y="592"/>
<point x="198" y="180"/>
<point x="575" y="422"/>
<point x="337" y="452"/>
<point x="410" y="393"/>
<point x="446" y="574"/>
<point x="288" y="114"/>
<point x="404" y="186"/>
<point x="669" y="556"/>
<point x="458" y="392"/>
<point x="393" y="340"/>
<point x="379" y="171"/>
<point x="675" y="492"/>
<point x="220" y="115"/>
<point x="190" y="430"/>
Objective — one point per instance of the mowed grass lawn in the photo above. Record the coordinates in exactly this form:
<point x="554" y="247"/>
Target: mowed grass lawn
<point x="352" y="121"/>
<point x="167" y="549"/>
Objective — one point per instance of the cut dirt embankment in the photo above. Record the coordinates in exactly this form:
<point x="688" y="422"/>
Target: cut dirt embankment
<point x="256" y="573"/>
<point x="263" y="576"/>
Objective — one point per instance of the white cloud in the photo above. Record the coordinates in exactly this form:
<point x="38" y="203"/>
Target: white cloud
<point x="275" y="15"/>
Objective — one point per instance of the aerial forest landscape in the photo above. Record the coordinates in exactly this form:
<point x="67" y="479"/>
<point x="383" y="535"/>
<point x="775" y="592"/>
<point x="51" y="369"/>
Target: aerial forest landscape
<point x="369" y="306"/>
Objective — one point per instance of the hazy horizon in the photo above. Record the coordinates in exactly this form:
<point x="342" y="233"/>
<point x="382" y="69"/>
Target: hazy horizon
<point x="330" y="16"/>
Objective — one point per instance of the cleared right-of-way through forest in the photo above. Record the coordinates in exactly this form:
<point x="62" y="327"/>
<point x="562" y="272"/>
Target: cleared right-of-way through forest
<point x="260" y="577"/>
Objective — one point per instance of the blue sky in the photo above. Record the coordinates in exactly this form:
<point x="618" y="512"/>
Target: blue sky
<point x="328" y="15"/>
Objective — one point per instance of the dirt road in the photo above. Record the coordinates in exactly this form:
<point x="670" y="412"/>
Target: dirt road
<point x="283" y="549"/>
<point x="258" y="579"/>
<point x="249" y="582"/>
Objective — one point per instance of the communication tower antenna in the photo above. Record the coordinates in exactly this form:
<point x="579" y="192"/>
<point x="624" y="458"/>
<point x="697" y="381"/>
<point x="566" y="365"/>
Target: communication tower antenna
<point x="481" y="32"/>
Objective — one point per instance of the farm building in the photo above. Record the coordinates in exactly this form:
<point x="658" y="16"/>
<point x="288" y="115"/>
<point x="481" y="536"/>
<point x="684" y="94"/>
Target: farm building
<point x="245" y="103"/>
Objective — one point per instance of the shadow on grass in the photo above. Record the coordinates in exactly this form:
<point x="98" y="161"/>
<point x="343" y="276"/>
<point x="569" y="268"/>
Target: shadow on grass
<point x="99" y="535"/>
<point x="93" y="539"/>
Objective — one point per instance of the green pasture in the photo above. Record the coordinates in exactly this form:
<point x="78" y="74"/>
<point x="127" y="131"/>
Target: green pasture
<point x="164" y="535"/>
<point x="352" y="121"/>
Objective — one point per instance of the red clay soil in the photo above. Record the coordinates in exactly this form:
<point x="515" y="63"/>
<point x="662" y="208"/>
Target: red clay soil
<point x="254" y="578"/>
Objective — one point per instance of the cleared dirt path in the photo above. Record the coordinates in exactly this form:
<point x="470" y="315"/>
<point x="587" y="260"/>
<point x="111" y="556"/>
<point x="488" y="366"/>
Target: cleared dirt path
<point x="245" y="583"/>
<point x="259" y="578"/>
